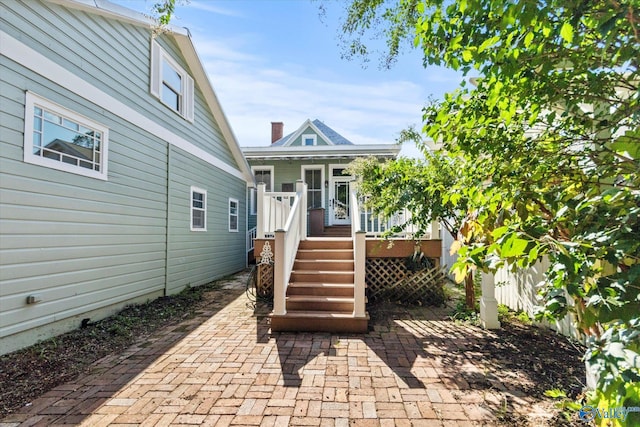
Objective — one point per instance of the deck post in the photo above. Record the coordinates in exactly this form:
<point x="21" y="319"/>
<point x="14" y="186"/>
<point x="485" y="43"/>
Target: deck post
<point x="488" y="303"/>
<point x="359" y="261"/>
<point x="279" y="307"/>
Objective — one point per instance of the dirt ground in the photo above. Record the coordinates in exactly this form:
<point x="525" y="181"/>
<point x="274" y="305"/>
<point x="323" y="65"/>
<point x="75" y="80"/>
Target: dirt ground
<point x="535" y="359"/>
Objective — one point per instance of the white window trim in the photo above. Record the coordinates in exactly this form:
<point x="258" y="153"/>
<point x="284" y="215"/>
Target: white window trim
<point x="31" y="100"/>
<point x="253" y="209"/>
<point x="158" y="54"/>
<point x="191" y="208"/>
<point x="237" y="215"/>
<point x="304" y="168"/>
<point x="306" y="136"/>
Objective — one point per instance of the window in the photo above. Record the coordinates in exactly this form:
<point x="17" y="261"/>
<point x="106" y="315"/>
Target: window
<point x="288" y="187"/>
<point x="313" y="177"/>
<point x="262" y="174"/>
<point x="309" y="139"/>
<point x="171" y="83"/>
<point x="61" y="139"/>
<point x="198" y="209"/>
<point x="233" y="215"/>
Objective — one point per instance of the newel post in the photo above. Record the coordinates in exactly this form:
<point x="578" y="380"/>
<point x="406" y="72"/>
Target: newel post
<point x="260" y="210"/>
<point x="488" y="303"/>
<point x="360" y="259"/>
<point x="301" y="189"/>
<point x="279" y="308"/>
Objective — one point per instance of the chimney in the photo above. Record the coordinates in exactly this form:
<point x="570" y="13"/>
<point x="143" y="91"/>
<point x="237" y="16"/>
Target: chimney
<point x="277" y="130"/>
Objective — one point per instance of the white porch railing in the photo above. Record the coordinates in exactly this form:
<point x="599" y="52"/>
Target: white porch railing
<point x="272" y="211"/>
<point x="358" y="237"/>
<point x="251" y="236"/>
<point x="376" y="225"/>
<point x="284" y="216"/>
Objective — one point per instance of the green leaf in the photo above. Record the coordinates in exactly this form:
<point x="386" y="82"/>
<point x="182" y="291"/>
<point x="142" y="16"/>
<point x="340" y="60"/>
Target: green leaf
<point x="528" y="39"/>
<point x="499" y="232"/>
<point x="467" y="55"/>
<point x="514" y="247"/>
<point x="566" y="32"/>
<point x="462" y="5"/>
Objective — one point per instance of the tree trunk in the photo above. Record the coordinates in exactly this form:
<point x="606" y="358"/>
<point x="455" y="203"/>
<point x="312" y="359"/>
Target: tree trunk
<point x="469" y="291"/>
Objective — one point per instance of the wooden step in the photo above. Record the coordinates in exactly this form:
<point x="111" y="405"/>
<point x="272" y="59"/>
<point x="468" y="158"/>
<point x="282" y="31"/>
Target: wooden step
<point x="337" y="231"/>
<point x="322" y="276"/>
<point x="323" y="264"/>
<point x="324" y="289"/>
<point x="325" y="254"/>
<point x="319" y="321"/>
<point x="309" y="303"/>
<point x="326" y="243"/>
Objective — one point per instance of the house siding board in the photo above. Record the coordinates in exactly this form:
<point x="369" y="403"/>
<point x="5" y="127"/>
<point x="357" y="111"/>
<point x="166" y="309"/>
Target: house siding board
<point x="198" y="257"/>
<point x="79" y="243"/>
<point x="199" y="132"/>
<point x="115" y="57"/>
<point x="87" y="245"/>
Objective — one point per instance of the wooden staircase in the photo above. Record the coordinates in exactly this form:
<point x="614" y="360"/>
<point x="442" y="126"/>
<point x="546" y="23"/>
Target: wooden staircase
<point x="320" y="295"/>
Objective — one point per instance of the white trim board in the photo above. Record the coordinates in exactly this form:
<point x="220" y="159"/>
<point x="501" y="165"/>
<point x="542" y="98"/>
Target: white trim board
<point x="40" y="64"/>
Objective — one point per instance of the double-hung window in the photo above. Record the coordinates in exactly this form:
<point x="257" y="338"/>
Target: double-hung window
<point x="198" y="209"/>
<point x="61" y="139"/>
<point x="171" y="83"/>
<point x="233" y="215"/>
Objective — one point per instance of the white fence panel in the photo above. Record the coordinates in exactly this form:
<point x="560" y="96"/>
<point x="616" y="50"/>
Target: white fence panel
<point x="518" y="291"/>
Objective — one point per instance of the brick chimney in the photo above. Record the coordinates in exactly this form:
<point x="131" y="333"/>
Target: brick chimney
<point x="277" y="131"/>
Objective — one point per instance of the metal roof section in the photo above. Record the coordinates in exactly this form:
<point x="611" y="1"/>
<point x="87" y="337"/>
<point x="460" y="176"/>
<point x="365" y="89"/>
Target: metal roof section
<point x="325" y="132"/>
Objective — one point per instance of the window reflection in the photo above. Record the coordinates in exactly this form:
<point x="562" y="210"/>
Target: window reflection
<point x="62" y="139"/>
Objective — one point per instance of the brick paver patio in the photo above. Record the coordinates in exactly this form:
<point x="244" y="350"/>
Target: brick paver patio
<point x="224" y="367"/>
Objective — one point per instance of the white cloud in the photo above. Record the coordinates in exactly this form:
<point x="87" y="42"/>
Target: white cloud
<point x="363" y="113"/>
<point x="253" y="95"/>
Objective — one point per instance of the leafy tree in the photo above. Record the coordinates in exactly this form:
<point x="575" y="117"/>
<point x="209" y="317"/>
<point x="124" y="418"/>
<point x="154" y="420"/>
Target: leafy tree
<point x="422" y="187"/>
<point x="550" y="140"/>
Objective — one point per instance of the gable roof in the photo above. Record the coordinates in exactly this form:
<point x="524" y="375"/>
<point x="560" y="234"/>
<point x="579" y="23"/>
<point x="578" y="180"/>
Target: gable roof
<point x="182" y="37"/>
<point x="338" y="147"/>
<point x="325" y="132"/>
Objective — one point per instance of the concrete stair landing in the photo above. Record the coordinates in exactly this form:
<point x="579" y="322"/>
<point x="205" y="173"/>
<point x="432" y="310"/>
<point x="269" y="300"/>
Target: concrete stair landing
<point x="320" y="295"/>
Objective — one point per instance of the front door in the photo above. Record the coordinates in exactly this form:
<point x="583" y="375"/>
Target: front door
<point x="339" y="199"/>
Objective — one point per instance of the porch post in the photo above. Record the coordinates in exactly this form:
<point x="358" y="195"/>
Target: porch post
<point x="260" y="211"/>
<point x="301" y="189"/>
<point x="360" y="258"/>
<point x="488" y="303"/>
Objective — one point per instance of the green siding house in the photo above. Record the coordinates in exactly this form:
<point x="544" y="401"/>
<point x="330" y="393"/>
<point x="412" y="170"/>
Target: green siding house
<point x="318" y="155"/>
<point x="120" y="178"/>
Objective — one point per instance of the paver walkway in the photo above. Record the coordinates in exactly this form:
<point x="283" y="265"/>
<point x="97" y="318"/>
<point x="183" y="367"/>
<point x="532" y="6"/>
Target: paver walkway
<point x="224" y="367"/>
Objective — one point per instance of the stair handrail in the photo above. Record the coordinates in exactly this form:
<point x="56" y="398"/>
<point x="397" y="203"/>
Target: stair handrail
<point x="287" y="240"/>
<point x="359" y="258"/>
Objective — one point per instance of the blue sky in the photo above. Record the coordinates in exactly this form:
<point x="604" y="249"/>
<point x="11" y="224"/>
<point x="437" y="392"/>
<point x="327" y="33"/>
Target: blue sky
<point x="277" y="60"/>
